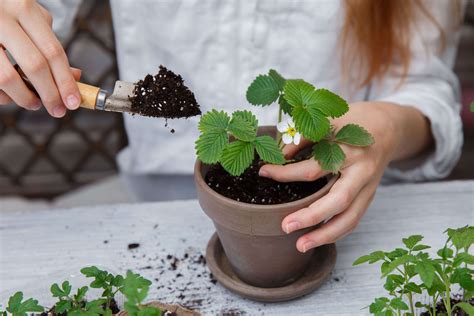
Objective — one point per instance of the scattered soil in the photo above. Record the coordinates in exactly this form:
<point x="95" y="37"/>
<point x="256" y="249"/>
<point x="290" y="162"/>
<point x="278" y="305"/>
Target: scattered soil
<point x="133" y="246"/>
<point x="440" y="308"/>
<point x="251" y="188"/>
<point x="164" y="95"/>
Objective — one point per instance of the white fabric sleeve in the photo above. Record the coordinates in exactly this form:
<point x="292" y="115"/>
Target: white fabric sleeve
<point x="63" y="13"/>
<point x="433" y="89"/>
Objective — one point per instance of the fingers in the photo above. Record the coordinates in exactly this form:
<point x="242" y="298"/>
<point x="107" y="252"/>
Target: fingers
<point x="291" y="149"/>
<point x="76" y="73"/>
<point x="4" y="98"/>
<point x="306" y="170"/>
<point x="339" y="198"/>
<point x="40" y="33"/>
<point x="36" y="68"/>
<point x="340" y="225"/>
<point x="12" y="85"/>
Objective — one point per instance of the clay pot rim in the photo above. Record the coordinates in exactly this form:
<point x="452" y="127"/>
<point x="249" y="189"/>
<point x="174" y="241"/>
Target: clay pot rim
<point x="331" y="178"/>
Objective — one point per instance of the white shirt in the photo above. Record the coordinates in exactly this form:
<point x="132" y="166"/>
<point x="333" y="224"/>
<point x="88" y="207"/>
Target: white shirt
<point x="220" y="46"/>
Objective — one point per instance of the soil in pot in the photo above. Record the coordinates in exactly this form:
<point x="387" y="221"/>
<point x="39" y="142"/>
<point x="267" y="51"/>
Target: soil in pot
<point x="164" y="95"/>
<point x="251" y="188"/>
<point x="440" y="308"/>
<point x="113" y="306"/>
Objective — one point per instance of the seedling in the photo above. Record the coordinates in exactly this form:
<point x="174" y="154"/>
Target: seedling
<point x="309" y="108"/>
<point x="19" y="307"/>
<point x="135" y="289"/>
<point x="409" y="271"/>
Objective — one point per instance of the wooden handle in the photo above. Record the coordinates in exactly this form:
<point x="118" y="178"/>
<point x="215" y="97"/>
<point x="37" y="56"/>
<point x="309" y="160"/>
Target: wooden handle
<point x="88" y="93"/>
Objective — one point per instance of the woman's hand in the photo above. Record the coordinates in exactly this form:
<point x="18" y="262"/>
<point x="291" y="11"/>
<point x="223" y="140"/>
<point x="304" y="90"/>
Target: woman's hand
<point x="25" y="31"/>
<point x="348" y="199"/>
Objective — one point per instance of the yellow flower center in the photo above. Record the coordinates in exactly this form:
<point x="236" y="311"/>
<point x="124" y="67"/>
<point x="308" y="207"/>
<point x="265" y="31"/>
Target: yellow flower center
<point x="291" y="131"/>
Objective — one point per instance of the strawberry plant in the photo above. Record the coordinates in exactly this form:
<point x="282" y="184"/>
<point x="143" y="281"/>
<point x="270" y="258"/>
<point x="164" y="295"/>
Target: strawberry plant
<point x="409" y="271"/>
<point x="308" y="112"/>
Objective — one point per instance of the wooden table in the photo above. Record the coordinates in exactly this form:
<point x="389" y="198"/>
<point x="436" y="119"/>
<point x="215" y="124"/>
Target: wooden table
<point x="39" y="247"/>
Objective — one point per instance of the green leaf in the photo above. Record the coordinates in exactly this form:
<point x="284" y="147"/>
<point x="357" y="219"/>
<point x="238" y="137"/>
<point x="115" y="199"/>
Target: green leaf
<point x="268" y="150"/>
<point x="279" y="80"/>
<point x="463" y="257"/>
<point x="243" y="126"/>
<point x="81" y="293"/>
<point x="398" y="252"/>
<point x="421" y="247"/>
<point x="398" y="304"/>
<point x="312" y="124"/>
<point x="461" y="237"/>
<point x="445" y="253"/>
<point x="298" y="92"/>
<point x="135" y="288"/>
<point x="329" y="155"/>
<point x="209" y="146"/>
<point x="397" y="262"/>
<point x="56" y="290"/>
<point x="285" y="106"/>
<point x="214" y="121"/>
<point x="18" y="307"/>
<point x="467" y="307"/>
<point x="237" y="156"/>
<point x="378" y="305"/>
<point x="426" y="271"/>
<point x="412" y="287"/>
<point x="463" y="277"/>
<point x="361" y="260"/>
<point x="411" y="241"/>
<point x="329" y="103"/>
<point x="354" y="135"/>
<point x="376" y="256"/>
<point x="396" y="278"/>
<point x="91" y="272"/>
<point x="264" y="90"/>
<point x="62" y="306"/>
<point x="66" y="287"/>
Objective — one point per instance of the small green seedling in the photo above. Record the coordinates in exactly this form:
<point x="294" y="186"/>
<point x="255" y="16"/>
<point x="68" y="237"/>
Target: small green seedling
<point x="75" y="305"/>
<point x="409" y="271"/>
<point x="111" y="284"/>
<point x="19" y="307"/>
<point x="309" y="111"/>
<point x="135" y="289"/>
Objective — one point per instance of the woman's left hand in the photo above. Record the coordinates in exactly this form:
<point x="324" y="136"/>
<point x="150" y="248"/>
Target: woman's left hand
<point x="351" y="194"/>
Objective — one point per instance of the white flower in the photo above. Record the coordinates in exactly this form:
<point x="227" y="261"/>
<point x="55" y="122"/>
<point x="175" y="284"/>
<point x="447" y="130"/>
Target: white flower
<point x="289" y="132"/>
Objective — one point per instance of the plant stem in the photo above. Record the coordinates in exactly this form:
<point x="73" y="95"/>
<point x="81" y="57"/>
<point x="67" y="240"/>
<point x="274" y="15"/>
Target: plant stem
<point x="280" y="114"/>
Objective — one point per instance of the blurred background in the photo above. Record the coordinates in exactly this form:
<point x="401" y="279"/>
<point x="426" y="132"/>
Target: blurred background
<point x="46" y="162"/>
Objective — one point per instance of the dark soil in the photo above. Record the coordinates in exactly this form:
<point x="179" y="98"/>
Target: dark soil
<point x="440" y="308"/>
<point x="133" y="246"/>
<point x="164" y="95"/>
<point x="113" y="307"/>
<point x="251" y="188"/>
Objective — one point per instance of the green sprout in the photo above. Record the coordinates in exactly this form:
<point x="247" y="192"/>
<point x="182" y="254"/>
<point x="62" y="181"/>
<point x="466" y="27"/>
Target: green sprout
<point x="135" y="288"/>
<point x="310" y="109"/>
<point x="19" y="307"/>
<point x="402" y="267"/>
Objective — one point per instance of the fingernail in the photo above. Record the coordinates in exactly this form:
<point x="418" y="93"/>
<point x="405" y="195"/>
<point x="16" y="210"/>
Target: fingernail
<point x="59" y="111"/>
<point x="36" y="106"/>
<point x="292" y="226"/>
<point x="263" y="173"/>
<point x="72" y="102"/>
<point x="308" y="245"/>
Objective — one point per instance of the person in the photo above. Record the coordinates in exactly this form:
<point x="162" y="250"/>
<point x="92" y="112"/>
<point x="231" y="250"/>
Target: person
<point x="391" y="59"/>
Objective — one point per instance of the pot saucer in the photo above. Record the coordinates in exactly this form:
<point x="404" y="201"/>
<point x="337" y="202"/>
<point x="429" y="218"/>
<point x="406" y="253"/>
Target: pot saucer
<point x="320" y="267"/>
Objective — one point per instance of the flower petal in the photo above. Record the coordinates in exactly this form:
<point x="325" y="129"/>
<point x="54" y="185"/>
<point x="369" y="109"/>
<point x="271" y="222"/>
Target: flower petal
<point x="287" y="139"/>
<point x="290" y="122"/>
<point x="282" y="127"/>
<point x="297" y="139"/>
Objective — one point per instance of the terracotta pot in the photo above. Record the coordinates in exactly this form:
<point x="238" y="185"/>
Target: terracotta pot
<point x="259" y="251"/>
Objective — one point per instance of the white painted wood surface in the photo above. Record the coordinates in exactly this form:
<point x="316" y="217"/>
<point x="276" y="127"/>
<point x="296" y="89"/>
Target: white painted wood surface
<point x="38" y="247"/>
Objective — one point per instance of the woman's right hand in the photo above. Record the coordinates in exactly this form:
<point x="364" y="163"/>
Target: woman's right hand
<point x="26" y="32"/>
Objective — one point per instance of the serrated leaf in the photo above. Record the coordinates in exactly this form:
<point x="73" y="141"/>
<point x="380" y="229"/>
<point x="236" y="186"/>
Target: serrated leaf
<point x="329" y="156"/>
<point x="268" y="150"/>
<point x="354" y="135"/>
<point x="18" y="307"/>
<point x="81" y="293"/>
<point x="91" y="271"/>
<point x="279" y="80"/>
<point x="398" y="304"/>
<point x="263" y="91"/>
<point x="298" y="92"/>
<point x="214" y="121"/>
<point x="56" y="290"/>
<point x="243" y="126"/>
<point x="378" y="305"/>
<point x="285" y="106"/>
<point x="311" y="123"/>
<point x="237" y="156"/>
<point x="209" y="146"/>
<point x="328" y="102"/>
<point x="398" y="252"/>
<point x="461" y="237"/>
<point x="397" y="262"/>
<point x="426" y="271"/>
<point x="411" y="241"/>
<point x="62" y="306"/>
